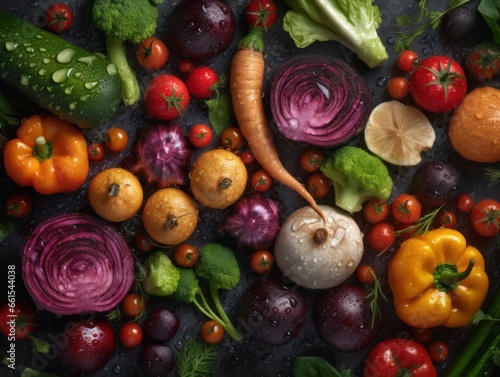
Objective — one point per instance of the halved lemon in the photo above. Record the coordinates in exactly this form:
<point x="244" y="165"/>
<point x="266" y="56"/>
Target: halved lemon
<point x="398" y="133"/>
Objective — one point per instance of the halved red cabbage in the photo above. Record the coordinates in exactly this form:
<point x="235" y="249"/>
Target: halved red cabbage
<point x="319" y="100"/>
<point x="74" y="263"/>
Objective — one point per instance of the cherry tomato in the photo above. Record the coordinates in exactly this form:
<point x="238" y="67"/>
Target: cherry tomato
<point x="465" y="202"/>
<point x="375" y="210"/>
<point x="406" y="209"/>
<point x="398" y="87"/>
<point x="116" y="139"/>
<point x="485" y="217"/>
<point x="59" y="18"/>
<point x="261" y="181"/>
<point x="185" y="65"/>
<point x="421" y="335"/>
<point x="201" y="81"/>
<point x="247" y="157"/>
<point x="483" y="60"/>
<point x="166" y="97"/>
<point x="211" y="332"/>
<point x="143" y="242"/>
<point x="152" y="53"/>
<point x="365" y="274"/>
<point x="231" y="138"/>
<point x="19" y="204"/>
<point x="131" y="334"/>
<point x="95" y="152"/>
<point x="186" y="255"/>
<point x="381" y="236"/>
<point x="200" y="135"/>
<point x="261" y="14"/>
<point x="25" y="319"/>
<point x="438" y="84"/>
<point x="311" y="159"/>
<point x="261" y="261"/>
<point x="318" y="185"/>
<point x="438" y="351"/>
<point x="408" y="60"/>
<point x="447" y="219"/>
<point x="133" y="305"/>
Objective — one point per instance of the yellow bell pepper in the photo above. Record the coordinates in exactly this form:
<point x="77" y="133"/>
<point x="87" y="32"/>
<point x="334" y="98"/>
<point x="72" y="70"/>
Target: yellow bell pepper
<point x="437" y="279"/>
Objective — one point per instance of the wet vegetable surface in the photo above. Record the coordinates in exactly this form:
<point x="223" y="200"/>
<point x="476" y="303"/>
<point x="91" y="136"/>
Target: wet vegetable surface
<point x="250" y="357"/>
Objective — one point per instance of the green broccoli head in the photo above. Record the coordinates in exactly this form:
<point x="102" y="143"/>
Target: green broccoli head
<point x="357" y="176"/>
<point x="219" y="266"/>
<point x="161" y="276"/>
<point x="188" y="286"/>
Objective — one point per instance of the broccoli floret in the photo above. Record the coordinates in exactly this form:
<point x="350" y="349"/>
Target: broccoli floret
<point x="160" y="277"/>
<point x="219" y="267"/>
<point x="357" y="176"/>
<point x="124" y="21"/>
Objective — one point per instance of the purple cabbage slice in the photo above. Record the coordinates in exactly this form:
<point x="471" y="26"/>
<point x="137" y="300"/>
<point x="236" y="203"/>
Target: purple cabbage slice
<point x="319" y="100"/>
<point x="74" y="264"/>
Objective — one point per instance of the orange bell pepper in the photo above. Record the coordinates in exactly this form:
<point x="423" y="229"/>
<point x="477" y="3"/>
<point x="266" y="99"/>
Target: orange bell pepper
<point x="49" y="154"/>
<point x="437" y="279"/>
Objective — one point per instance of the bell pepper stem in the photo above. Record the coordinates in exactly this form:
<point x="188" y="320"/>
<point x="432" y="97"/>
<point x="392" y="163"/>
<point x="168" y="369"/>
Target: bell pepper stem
<point x="42" y="149"/>
<point x="446" y="277"/>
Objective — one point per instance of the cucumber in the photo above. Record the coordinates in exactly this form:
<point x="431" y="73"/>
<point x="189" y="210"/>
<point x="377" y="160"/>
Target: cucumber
<point x="80" y="86"/>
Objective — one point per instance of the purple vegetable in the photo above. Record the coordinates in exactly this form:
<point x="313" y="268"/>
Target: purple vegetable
<point x="319" y="100"/>
<point x="163" y="155"/>
<point x="74" y="263"/>
<point x="254" y="223"/>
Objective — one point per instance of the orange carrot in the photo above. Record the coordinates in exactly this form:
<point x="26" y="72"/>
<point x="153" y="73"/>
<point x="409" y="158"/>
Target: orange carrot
<point x="246" y="82"/>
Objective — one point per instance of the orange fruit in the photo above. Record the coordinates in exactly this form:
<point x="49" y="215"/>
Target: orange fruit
<point x="170" y="216"/>
<point x="218" y="178"/>
<point x="115" y="194"/>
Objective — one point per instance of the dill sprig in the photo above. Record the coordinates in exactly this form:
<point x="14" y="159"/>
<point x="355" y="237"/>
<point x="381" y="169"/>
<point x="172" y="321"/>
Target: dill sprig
<point x="376" y="293"/>
<point x="196" y="358"/>
<point x="493" y="174"/>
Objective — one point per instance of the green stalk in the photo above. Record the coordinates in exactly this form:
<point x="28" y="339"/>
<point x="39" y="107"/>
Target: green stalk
<point x="485" y="361"/>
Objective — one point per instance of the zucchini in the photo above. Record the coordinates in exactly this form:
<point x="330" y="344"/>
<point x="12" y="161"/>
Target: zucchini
<point x="79" y="86"/>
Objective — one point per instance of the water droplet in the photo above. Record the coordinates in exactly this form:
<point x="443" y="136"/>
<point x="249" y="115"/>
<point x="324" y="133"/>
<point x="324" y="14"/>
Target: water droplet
<point x="65" y="56"/>
<point x="10" y="46"/>
<point x="61" y="75"/>
<point x="25" y="80"/>
<point x="91" y="85"/>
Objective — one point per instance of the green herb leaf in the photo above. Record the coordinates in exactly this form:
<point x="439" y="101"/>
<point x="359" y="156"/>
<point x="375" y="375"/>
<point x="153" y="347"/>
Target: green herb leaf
<point x="492" y="174"/>
<point x="422" y="225"/>
<point x="490" y="10"/>
<point x="219" y="112"/>
<point x="376" y="293"/>
<point x="196" y="358"/>
<point x="28" y="372"/>
<point x="6" y="227"/>
<point x="314" y="366"/>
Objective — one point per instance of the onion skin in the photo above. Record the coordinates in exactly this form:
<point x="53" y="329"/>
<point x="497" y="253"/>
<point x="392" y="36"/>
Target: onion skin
<point x="74" y="264"/>
<point x="319" y="100"/>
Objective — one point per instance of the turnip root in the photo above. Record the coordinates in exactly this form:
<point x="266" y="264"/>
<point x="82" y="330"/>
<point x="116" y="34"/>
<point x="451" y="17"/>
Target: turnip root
<point x="318" y="254"/>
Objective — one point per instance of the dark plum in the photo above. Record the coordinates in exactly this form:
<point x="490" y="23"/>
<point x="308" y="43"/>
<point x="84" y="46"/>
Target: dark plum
<point x="161" y="324"/>
<point x="343" y="318"/>
<point x="434" y="183"/>
<point x="461" y="24"/>
<point x="273" y="312"/>
<point x="202" y="29"/>
<point x="157" y="360"/>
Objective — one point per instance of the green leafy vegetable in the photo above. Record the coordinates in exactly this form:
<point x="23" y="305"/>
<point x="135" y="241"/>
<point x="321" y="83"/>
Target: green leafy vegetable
<point x="490" y="10"/>
<point x="354" y="24"/>
<point x="220" y="107"/>
<point x="196" y="358"/>
<point x="314" y="366"/>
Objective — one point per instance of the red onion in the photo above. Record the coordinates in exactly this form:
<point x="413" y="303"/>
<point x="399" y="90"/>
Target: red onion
<point x="74" y="263"/>
<point x="163" y="155"/>
<point x="319" y="100"/>
<point x="254" y="222"/>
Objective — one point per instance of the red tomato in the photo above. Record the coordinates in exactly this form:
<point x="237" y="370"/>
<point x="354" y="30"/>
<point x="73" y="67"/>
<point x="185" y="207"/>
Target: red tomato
<point x="24" y="316"/>
<point x="152" y="53"/>
<point x="143" y="242"/>
<point x="318" y="185"/>
<point x="262" y="14"/>
<point x="311" y="159"/>
<point x="465" y="202"/>
<point x="201" y="81"/>
<point x="421" y="335"/>
<point x="375" y="210"/>
<point x="485" y="218"/>
<point x="231" y="138"/>
<point x="186" y="255"/>
<point x="185" y="65"/>
<point x="116" y="139"/>
<point x="438" y="351"/>
<point x="247" y="157"/>
<point x="166" y="97"/>
<point x="59" y="18"/>
<point x="133" y="305"/>
<point x="447" y="219"/>
<point x="438" y="84"/>
<point x="483" y="60"/>
<point x="261" y="181"/>
<point x="408" y="60"/>
<point x="200" y="135"/>
<point x="398" y="87"/>
<point x="19" y="204"/>
<point x="406" y="209"/>
<point x="131" y="334"/>
<point x="381" y="236"/>
<point x="398" y="356"/>
<point x="365" y="274"/>
<point x="211" y="332"/>
<point x="95" y="152"/>
<point x="261" y="261"/>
